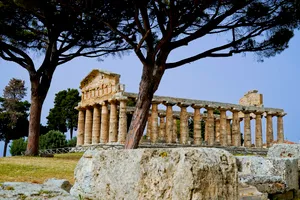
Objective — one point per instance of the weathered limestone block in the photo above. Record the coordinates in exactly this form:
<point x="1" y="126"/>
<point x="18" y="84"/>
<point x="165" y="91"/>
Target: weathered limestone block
<point x="268" y="175"/>
<point x="182" y="173"/>
<point x="285" y="151"/>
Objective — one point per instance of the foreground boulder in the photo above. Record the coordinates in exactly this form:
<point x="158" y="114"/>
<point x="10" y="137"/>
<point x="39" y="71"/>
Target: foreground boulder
<point x="181" y="173"/>
<point x="268" y="175"/>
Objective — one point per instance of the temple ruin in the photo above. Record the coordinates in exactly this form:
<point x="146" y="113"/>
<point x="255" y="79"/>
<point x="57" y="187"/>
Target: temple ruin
<point x="104" y="109"/>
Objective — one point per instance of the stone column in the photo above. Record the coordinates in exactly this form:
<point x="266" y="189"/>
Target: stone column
<point x="210" y="126"/>
<point x="88" y="126"/>
<point x="104" y="123"/>
<point x="223" y="130"/>
<point x="148" y="133"/>
<point x="280" y="131"/>
<point x="228" y="131"/>
<point x="269" y="130"/>
<point x="174" y="135"/>
<point x="154" y="123"/>
<point x="169" y="122"/>
<point x="113" y="121"/>
<point x="183" y="124"/>
<point x="247" y="129"/>
<point x="217" y="130"/>
<point x="236" y="131"/>
<point x="122" y="121"/>
<point x="96" y="125"/>
<point x="162" y="127"/>
<point x="80" y="129"/>
<point x="197" y="125"/>
<point x="258" y="130"/>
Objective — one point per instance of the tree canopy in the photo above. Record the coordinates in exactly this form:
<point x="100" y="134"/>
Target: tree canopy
<point x="64" y="116"/>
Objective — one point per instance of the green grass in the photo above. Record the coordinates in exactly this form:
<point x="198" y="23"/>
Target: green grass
<point x="38" y="169"/>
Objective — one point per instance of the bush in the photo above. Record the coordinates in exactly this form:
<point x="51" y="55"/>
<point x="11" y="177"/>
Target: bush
<point x="52" y="140"/>
<point x="18" y="146"/>
<point x="72" y="142"/>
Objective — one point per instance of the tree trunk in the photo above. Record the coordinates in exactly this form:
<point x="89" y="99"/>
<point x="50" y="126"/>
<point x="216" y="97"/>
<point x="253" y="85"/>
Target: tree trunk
<point x="5" y="147"/>
<point x="149" y="83"/>
<point x="71" y="133"/>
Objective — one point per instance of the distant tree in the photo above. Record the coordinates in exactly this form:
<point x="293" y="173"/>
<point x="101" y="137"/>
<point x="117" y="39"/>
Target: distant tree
<point x="57" y="30"/>
<point x="18" y="146"/>
<point x="64" y="115"/>
<point x="160" y="27"/>
<point x="13" y="112"/>
<point x="52" y="140"/>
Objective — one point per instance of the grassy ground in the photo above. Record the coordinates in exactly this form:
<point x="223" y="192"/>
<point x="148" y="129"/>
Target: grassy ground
<point x="38" y="169"/>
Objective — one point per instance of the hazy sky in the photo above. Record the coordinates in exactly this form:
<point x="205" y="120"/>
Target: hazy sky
<point x="216" y="79"/>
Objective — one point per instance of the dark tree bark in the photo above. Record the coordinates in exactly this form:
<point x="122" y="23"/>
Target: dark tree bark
<point x="5" y="147"/>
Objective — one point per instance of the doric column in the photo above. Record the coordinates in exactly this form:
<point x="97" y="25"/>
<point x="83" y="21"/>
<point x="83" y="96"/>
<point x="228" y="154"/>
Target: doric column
<point x="197" y="125"/>
<point x="162" y="127"/>
<point x="217" y="130"/>
<point x="247" y="129"/>
<point x="88" y="126"/>
<point x="104" y="123"/>
<point x="154" y="123"/>
<point x="113" y="121"/>
<point x="169" y="122"/>
<point x="258" y="130"/>
<point x="96" y="125"/>
<point x="236" y="131"/>
<point x="174" y="135"/>
<point x="148" y="133"/>
<point x="183" y="124"/>
<point x="228" y="132"/>
<point x="269" y="129"/>
<point x="223" y="129"/>
<point x="210" y="126"/>
<point x="280" y="131"/>
<point x="80" y="129"/>
<point x="122" y="121"/>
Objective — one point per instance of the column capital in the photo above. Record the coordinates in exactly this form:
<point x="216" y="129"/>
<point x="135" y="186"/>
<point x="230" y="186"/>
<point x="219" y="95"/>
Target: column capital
<point x="156" y="102"/>
<point x="246" y="111"/>
<point x="197" y="106"/>
<point x="103" y="103"/>
<point x="80" y="108"/>
<point x="168" y="103"/>
<point x="210" y="107"/>
<point x="221" y="108"/>
<point x="270" y="113"/>
<point x="258" y="112"/>
<point x="112" y="101"/>
<point x="281" y="114"/>
<point x="183" y="105"/>
<point x="96" y="105"/>
<point x="175" y="117"/>
<point x="233" y="109"/>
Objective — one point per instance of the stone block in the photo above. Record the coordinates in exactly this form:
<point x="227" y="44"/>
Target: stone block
<point x="60" y="183"/>
<point x="268" y="175"/>
<point x="181" y="173"/>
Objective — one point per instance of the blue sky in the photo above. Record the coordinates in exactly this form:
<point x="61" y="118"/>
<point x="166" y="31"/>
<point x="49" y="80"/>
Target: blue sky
<point x="216" y="79"/>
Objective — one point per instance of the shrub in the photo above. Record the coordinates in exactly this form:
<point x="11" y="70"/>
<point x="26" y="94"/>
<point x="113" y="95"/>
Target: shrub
<point x="18" y="146"/>
<point x="72" y="142"/>
<point x="52" y="140"/>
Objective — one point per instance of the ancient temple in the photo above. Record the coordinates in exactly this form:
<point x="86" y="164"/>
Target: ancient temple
<point x="103" y="113"/>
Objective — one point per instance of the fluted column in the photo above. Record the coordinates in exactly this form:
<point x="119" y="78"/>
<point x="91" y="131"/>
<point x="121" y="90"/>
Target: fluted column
<point x="223" y="130"/>
<point x="247" y="129"/>
<point x="269" y="130"/>
<point x="210" y="126"/>
<point x="236" y="131"/>
<point x="80" y="129"/>
<point x="197" y="125"/>
<point x="113" y="121"/>
<point x="154" y="123"/>
<point x="169" y="122"/>
<point x="183" y="124"/>
<point x="280" y="130"/>
<point x="148" y="133"/>
<point x="88" y="126"/>
<point x="174" y="135"/>
<point x="104" y="123"/>
<point x="258" y="130"/>
<point x="162" y="127"/>
<point x="122" y="121"/>
<point x="228" y="132"/>
<point x="96" y="125"/>
<point x="217" y="130"/>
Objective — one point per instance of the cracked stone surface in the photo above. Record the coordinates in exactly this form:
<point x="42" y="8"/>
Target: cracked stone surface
<point x="181" y="173"/>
